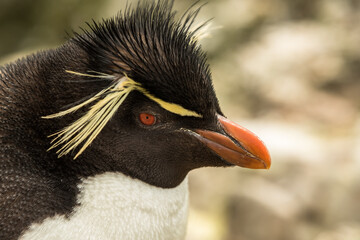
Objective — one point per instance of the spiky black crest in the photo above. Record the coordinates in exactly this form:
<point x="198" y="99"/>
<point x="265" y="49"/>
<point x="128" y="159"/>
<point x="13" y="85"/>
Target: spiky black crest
<point x="161" y="53"/>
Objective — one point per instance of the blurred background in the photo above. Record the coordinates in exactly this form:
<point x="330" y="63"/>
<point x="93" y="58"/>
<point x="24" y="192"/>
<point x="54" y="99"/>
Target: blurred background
<point x="286" y="69"/>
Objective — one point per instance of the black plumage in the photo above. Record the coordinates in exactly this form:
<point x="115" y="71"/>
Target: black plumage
<point x="149" y="46"/>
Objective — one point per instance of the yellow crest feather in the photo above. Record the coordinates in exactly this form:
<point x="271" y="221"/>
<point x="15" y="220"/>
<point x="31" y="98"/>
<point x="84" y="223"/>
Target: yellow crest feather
<point x="86" y="128"/>
<point x="171" y="107"/>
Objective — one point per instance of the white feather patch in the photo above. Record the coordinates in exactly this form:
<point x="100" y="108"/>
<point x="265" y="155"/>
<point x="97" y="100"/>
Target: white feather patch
<point x="114" y="206"/>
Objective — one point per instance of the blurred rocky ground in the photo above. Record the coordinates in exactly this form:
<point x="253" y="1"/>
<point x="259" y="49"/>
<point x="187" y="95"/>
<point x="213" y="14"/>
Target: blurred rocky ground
<point x="286" y="69"/>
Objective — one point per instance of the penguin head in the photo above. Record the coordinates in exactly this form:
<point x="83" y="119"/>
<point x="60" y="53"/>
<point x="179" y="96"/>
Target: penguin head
<point x="140" y="100"/>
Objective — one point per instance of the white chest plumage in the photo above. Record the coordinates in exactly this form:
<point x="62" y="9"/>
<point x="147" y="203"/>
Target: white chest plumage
<point x="114" y="206"/>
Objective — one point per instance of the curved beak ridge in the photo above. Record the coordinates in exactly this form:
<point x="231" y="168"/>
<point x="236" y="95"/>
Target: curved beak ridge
<point x="238" y="146"/>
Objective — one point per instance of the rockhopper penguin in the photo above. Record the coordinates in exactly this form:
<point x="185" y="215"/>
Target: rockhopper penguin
<point x="97" y="136"/>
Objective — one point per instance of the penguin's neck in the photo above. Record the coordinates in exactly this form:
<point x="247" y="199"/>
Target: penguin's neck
<point x="115" y="206"/>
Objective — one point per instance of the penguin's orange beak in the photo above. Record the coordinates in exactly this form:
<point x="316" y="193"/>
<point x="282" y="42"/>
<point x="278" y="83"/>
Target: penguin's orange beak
<point x="239" y="146"/>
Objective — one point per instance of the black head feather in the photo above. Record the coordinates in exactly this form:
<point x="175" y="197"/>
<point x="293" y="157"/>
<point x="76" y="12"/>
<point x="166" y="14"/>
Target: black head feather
<point x="158" y="51"/>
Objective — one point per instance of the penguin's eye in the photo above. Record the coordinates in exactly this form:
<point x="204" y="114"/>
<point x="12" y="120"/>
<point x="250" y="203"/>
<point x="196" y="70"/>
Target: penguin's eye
<point x="147" y="119"/>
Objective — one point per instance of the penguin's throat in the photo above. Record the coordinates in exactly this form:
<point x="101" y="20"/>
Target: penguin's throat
<point x="115" y="206"/>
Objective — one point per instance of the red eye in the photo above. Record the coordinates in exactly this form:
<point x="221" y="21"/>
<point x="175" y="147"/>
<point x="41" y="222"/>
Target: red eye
<point x="147" y="119"/>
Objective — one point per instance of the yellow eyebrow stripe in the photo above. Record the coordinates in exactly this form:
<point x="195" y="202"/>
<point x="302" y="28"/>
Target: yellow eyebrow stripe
<point x="171" y="107"/>
<point x="104" y="105"/>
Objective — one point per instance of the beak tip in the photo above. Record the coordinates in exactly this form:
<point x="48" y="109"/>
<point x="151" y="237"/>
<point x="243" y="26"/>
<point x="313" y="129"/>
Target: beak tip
<point x="266" y="159"/>
<point x="267" y="165"/>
